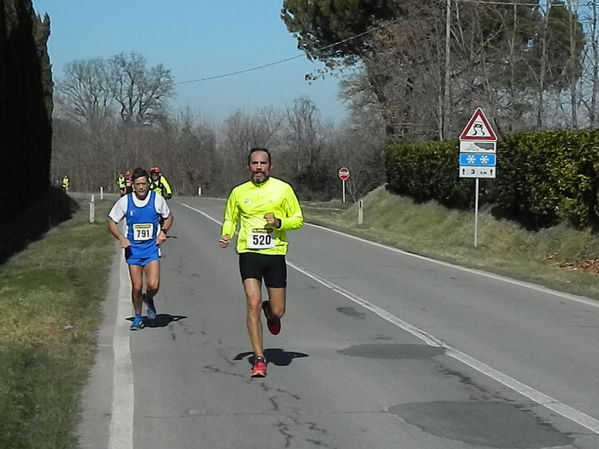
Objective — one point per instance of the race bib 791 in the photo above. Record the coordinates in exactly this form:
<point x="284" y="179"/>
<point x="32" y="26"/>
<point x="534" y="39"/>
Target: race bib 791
<point x="143" y="231"/>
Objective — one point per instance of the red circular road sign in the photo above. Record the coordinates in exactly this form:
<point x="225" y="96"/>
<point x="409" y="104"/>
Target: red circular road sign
<point x="344" y="174"/>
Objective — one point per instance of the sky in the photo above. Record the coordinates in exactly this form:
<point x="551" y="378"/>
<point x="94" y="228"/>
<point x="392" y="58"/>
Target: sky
<point x="196" y="39"/>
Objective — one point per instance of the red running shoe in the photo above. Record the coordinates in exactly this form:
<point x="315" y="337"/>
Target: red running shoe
<point x="273" y="324"/>
<point x="259" y="368"/>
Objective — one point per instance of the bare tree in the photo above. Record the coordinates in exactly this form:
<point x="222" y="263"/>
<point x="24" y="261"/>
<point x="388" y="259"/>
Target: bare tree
<point x="241" y="132"/>
<point x="142" y="93"/>
<point x="192" y="157"/>
<point x="304" y="136"/>
<point x="97" y="89"/>
<point x="85" y="94"/>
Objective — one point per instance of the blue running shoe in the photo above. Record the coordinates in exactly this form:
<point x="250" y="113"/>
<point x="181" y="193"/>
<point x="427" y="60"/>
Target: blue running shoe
<point x="137" y="324"/>
<point x="150" y="308"/>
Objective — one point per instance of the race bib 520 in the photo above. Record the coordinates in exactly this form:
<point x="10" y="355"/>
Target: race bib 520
<point x="261" y="238"/>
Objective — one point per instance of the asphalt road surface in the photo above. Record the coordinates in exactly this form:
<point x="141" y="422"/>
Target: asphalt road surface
<point x="378" y="349"/>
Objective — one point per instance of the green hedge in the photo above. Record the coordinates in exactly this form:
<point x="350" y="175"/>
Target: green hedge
<point x="547" y="177"/>
<point x="543" y="178"/>
<point x="428" y="171"/>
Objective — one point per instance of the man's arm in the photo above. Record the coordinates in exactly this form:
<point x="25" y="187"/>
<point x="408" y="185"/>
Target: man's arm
<point x="229" y="221"/>
<point x="231" y="216"/>
<point x="116" y="214"/>
<point x="293" y="210"/>
<point x="168" y="192"/>
<point x="168" y="222"/>
<point x="114" y="230"/>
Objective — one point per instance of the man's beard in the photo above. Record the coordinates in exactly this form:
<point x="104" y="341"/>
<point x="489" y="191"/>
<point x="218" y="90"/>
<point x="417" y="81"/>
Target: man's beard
<point x="259" y="181"/>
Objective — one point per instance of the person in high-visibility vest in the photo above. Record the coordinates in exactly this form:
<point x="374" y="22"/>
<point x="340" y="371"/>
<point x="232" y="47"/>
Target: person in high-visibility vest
<point x="65" y="183"/>
<point x="120" y="182"/>
<point x="159" y="184"/>
<point x="128" y="182"/>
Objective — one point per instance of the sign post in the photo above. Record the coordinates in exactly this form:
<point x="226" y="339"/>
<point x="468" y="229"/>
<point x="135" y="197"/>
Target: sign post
<point x="478" y="144"/>
<point x="344" y="176"/>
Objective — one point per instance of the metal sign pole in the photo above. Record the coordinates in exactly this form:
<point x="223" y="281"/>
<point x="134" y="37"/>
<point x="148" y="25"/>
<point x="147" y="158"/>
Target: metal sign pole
<point x="477" y="159"/>
<point x="343" y="191"/>
<point x="476" y="213"/>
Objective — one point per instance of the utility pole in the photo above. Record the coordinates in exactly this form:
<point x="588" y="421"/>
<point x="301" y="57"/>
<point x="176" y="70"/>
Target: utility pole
<point x="446" y="84"/>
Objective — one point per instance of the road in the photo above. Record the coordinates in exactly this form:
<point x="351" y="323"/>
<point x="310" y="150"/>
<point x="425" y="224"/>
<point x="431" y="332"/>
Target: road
<point x="379" y="349"/>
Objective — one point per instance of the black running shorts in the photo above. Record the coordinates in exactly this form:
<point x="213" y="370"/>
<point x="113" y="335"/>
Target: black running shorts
<point x="271" y="268"/>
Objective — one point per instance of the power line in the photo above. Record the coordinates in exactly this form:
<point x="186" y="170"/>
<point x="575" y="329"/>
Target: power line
<point x="241" y="71"/>
<point x="281" y="61"/>
<point x="499" y="2"/>
<point x="371" y="30"/>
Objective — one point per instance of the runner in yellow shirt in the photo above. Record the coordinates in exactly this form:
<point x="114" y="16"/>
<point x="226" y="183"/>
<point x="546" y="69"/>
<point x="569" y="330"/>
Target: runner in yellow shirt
<point x="265" y="209"/>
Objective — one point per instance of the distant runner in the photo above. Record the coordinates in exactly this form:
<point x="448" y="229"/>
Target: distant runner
<point x="143" y="210"/>
<point x="128" y="182"/>
<point x="159" y="184"/>
<point x="266" y="208"/>
<point x="65" y="183"/>
<point x="120" y="182"/>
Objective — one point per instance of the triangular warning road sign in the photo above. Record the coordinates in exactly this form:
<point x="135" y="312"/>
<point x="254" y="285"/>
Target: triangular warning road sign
<point x="478" y="128"/>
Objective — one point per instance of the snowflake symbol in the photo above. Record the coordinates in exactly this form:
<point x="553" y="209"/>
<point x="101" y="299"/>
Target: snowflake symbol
<point x="471" y="159"/>
<point x="484" y="159"/>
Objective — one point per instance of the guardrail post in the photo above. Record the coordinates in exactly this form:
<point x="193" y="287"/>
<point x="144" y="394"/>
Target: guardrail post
<point x="360" y="211"/>
<point x="92" y="210"/>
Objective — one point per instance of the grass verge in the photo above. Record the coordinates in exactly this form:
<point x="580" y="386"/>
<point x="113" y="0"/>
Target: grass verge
<point x="50" y="298"/>
<point x="559" y="257"/>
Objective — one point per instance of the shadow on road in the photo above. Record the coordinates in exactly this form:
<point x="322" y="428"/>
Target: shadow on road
<point x="161" y="320"/>
<point x="276" y="356"/>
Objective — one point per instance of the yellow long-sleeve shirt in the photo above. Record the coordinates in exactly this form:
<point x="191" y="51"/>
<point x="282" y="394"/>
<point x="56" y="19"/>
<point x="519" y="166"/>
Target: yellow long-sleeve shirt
<point x="249" y="202"/>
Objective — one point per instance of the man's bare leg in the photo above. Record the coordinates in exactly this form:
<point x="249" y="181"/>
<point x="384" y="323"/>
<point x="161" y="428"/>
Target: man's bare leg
<point x="253" y="295"/>
<point x="277" y="302"/>
<point x="136" y="275"/>
<point x="152" y="271"/>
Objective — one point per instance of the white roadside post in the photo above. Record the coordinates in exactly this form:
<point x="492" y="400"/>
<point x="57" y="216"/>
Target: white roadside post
<point x="360" y="212"/>
<point x="344" y="176"/>
<point x="477" y="158"/>
<point x="92" y="210"/>
<point x="101" y="193"/>
<point x="200" y="191"/>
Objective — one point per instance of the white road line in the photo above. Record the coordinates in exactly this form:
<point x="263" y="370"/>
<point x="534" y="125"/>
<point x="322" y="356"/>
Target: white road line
<point x="547" y="401"/>
<point x="121" y="421"/>
<point x="525" y="390"/>
<point x="539" y="288"/>
<point x="201" y="213"/>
